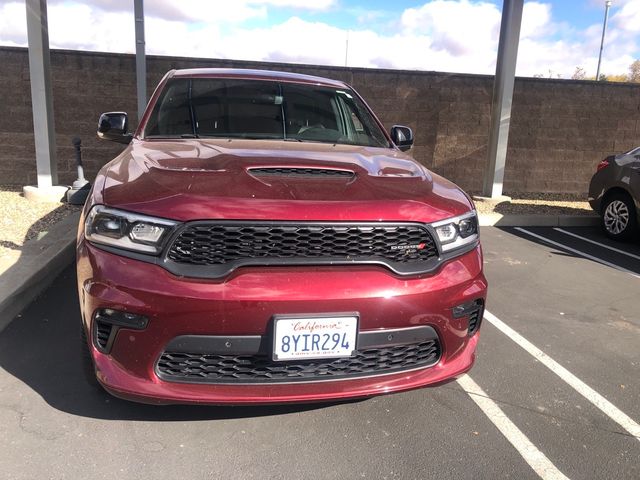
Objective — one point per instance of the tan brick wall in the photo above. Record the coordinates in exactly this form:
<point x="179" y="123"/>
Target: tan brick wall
<point x="560" y="129"/>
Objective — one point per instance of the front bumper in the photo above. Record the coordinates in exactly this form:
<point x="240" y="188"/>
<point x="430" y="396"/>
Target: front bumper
<point x="244" y="304"/>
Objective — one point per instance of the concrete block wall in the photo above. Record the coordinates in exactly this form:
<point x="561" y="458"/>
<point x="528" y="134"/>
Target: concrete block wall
<point x="560" y="129"/>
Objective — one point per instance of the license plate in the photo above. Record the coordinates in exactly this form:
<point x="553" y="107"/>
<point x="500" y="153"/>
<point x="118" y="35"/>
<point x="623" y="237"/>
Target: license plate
<point x="303" y="338"/>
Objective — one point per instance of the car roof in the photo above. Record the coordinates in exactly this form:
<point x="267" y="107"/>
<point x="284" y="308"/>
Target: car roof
<point x="248" y="74"/>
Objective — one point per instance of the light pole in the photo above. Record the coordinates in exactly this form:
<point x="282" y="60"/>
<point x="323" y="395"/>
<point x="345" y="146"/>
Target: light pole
<point x="604" y="30"/>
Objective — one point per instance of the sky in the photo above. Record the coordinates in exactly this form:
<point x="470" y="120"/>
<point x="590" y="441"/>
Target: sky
<point x="442" y="35"/>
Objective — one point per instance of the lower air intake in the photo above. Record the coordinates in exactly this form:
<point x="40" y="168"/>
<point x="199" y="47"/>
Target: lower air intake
<point x="102" y="334"/>
<point x="475" y="318"/>
<point x="209" y="368"/>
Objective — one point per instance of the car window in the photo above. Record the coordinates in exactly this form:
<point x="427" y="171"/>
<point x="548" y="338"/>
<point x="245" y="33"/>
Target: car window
<point x="209" y="107"/>
<point x="327" y="115"/>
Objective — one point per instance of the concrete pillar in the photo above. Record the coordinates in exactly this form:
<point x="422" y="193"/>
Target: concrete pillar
<point x="141" y="63"/>
<point x="41" y="96"/>
<point x="502" y="97"/>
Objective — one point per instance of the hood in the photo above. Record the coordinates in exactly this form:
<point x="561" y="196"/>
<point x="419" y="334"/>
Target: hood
<point x="211" y="179"/>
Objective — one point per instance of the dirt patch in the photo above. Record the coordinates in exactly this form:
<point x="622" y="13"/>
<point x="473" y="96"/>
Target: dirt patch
<point x="22" y="220"/>
<point x="537" y="204"/>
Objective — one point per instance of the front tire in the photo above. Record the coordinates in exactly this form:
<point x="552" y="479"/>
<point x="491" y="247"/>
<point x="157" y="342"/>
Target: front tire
<point x="619" y="219"/>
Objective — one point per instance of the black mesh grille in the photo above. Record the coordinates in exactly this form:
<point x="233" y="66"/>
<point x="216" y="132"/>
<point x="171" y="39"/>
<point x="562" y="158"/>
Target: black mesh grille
<point x="300" y="172"/>
<point x="206" y="243"/>
<point x="102" y="334"/>
<point x="209" y="368"/>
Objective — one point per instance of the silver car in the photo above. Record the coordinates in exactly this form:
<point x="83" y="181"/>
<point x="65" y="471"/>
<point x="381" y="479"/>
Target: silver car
<point x="614" y="193"/>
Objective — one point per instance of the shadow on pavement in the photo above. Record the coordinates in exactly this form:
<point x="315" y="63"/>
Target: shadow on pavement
<point x="554" y="249"/>
<point x="42" y="349"/>
<point x="616" y="259"/>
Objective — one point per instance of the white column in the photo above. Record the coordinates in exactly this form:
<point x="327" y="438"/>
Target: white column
<point x="41" y="96"/>
<point x="502" y="97"/>
<point x="141" y="65"/>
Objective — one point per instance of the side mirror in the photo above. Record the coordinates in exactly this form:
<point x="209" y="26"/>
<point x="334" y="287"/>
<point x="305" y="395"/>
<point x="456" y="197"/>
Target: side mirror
<point x="402" y="137"/>
<point x="113" y="126"/>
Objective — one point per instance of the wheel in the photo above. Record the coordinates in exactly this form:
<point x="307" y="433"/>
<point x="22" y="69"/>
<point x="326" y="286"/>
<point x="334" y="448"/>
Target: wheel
<point x="88" y="368"/>
<point x="619" y="219"/>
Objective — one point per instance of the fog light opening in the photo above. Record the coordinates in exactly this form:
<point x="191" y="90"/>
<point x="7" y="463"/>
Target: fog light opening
<point x="473" y="311"/>
<point x="107" y="322"/>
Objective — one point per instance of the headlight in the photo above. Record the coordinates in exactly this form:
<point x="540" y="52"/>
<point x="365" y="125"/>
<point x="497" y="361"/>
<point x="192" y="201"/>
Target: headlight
<point x="457" y="232"/>
<point x="108" y="226"/>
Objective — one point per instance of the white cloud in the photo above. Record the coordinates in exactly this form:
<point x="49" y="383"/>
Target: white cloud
<point x="457" y="27"/>
<point x="628" y="17"/>
<point x="76" y="26"/>
<point x="301" y="4"/>
<point x="13" y="23"/>
<point x="443" y="35"/>
<point x="536" y="20"/>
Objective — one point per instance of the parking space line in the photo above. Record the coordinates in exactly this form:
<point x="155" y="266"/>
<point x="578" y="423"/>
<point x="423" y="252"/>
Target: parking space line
<point x="578" y="252"/>
<point x="537" y="460"/>
<point x="609" y="409"/>
<point x="608" y="247"/>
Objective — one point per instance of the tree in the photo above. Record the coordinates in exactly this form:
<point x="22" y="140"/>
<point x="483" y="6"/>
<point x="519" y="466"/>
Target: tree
<point x="579" y="74"/>
<point x="634" y="72"/>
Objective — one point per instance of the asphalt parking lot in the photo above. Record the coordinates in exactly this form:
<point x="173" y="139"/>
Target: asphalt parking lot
<point x="555" y="392"/>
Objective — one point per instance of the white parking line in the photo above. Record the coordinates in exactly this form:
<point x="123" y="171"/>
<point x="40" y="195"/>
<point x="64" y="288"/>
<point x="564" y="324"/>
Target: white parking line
<point x="534" y="457"/>
<point x="579" y="252"/>
<point x="609" y="409"/>
<point x="608" y="247"/>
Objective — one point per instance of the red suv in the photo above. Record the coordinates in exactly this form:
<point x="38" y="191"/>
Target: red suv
<point x="263" y="239"/>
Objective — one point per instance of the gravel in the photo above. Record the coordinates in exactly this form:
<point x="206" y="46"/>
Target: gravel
<point x="22" y="220"/>
<point x="537" y="204"/>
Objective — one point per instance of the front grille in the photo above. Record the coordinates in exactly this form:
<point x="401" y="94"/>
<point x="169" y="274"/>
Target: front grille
<point x="300" y="172"/>
<point x="252" y="243"/>
<point x="210" y="368"/>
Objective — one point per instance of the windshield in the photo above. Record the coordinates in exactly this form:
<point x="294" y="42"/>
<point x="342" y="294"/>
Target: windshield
<point x="229" y="108"/>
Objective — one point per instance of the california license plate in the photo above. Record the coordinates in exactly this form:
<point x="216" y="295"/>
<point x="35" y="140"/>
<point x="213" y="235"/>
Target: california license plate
<point x="302" y="338"/>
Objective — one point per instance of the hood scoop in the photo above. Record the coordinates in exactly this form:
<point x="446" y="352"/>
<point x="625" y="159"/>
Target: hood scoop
<point x="301" y="172"/>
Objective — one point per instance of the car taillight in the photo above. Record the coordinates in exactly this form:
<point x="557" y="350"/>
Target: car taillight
<point x="603" y="164"/>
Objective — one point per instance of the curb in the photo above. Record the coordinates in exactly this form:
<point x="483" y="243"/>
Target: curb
<point x="39" y="264"/>
<point x="498" y="220"/>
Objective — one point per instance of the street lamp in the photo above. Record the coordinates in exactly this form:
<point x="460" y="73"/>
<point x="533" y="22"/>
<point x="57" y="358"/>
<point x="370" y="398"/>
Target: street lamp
<point x="604" y="30"/>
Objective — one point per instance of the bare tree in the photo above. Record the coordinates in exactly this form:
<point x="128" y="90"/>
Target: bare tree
<point x="579" y="74"/>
